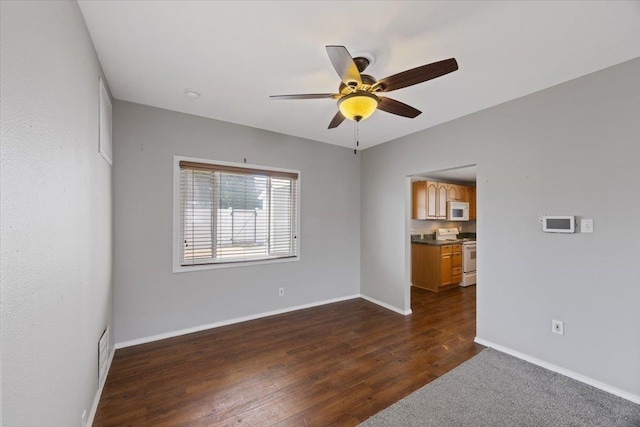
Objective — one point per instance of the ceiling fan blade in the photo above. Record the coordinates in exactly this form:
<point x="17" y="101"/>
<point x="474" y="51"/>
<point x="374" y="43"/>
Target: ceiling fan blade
<point x="417" y="75"/>
<point x="398" y="108"/>
<point x="344" y="65"/>
<point x="307" y="96"/>
<point x="337" y="119"/>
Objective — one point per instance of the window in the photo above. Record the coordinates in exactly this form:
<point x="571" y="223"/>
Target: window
<point x="231" y="213"/>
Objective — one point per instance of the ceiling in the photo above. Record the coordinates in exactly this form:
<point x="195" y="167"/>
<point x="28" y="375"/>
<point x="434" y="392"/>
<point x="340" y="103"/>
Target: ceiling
<point x="236" y="54"/>
<point x="462" y="175"/>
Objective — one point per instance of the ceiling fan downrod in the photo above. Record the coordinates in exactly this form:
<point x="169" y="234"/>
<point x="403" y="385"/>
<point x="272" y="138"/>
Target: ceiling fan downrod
<point x="356" y="135"/>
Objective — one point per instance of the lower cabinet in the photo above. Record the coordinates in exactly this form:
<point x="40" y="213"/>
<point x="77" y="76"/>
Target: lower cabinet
<point x="436" y="267"/>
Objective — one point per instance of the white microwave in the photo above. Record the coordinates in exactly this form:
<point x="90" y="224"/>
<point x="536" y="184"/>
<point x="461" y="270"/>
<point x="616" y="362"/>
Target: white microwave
<point x="457" y="211"/>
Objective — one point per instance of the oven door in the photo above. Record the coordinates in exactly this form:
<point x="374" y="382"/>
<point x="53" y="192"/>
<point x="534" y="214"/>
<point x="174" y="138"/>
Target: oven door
<point x="469" y="257"/>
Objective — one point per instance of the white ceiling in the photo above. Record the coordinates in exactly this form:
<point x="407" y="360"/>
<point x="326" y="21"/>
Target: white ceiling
<point x="236" y="54"/>
<point x="463" y="175"/>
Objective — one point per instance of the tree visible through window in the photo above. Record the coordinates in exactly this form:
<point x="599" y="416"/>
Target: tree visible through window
<point x="232" y="214"/>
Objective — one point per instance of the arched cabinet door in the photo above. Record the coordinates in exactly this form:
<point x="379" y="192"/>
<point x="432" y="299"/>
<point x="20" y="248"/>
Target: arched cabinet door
<point x="432" y="200"/>
<point x="452" y="192"/>
<point x="442" y="200"/>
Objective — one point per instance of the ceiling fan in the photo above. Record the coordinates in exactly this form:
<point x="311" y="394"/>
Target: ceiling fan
<point x="358" y="94"/>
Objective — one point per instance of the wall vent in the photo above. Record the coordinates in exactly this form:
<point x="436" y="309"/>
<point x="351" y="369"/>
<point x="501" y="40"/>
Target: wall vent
<point x="103" y="356"/>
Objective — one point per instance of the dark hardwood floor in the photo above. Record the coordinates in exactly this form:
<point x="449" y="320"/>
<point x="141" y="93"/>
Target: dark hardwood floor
<point x="336" y="364"/>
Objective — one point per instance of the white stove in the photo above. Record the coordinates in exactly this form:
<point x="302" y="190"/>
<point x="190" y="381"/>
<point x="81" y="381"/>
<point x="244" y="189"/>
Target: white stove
<point x="447" y="234"/>
<point x="468" y="263"/>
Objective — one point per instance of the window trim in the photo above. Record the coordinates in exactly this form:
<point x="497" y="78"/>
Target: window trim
<point x="177" y="267"/>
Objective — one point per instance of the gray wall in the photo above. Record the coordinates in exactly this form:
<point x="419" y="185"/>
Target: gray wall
<point x="56" y="216"/>
<point x="149" y="299"/>
<point x="571" y="149"/>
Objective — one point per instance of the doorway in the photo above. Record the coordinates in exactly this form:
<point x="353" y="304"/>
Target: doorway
<point x="429" y="195"/>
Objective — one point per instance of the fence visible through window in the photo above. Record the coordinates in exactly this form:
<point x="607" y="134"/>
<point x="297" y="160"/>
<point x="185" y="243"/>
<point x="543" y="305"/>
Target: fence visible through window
<point x="228" y="216"/>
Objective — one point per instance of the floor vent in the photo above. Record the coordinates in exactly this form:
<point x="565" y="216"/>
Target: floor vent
<point x="103" y="356"/>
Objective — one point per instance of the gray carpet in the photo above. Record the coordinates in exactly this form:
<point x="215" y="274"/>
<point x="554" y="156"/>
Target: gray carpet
<point x="495" y="389"/>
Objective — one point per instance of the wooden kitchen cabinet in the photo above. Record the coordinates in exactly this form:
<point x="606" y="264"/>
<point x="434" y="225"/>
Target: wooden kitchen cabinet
<point x="456" y="193"/>
<point x="419" y="200"/>
<point x="429" y="199"/>
<point x="464" y="196"/>
<point x="436" y="268"/>
<point x="441" y="196"/>
<point x="418" y="264"/>
<point x="432" y="200"/>
<point x="445" y="267"/>
<point x="456" y="264"/>
<point x="471" y="196"/>
<point x="424" y="200"/>
<point x="464" y="193"/>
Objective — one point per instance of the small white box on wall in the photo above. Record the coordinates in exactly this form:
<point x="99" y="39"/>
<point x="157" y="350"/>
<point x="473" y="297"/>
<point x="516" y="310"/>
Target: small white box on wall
<point x="558" y="223"/>
<point x="105" y="145"/>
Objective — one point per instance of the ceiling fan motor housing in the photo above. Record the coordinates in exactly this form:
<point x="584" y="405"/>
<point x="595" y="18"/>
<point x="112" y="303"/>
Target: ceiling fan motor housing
<point x="367" y="83"/>
<point x="362" y="63"/>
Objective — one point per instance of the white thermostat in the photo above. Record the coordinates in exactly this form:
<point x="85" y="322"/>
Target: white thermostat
<point x="559" y="224"/>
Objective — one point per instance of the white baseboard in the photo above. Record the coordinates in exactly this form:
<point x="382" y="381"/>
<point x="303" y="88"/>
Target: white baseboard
<point x="96" y="400"/>
<point x="253" y="317"/>
<point x="567" y="373"/>
<point x="228" y="322"/>
<point x="385" y="305"/>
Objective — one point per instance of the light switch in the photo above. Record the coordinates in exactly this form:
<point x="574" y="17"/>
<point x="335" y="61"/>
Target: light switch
<point x="586" y="225"/>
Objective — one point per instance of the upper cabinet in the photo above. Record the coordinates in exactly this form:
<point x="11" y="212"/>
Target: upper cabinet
<point x="419" y="200"/>
<point x="442" y="200"/>
<point x="471" y="195"/>
<point x="429" y="199"/>
<point x="432" y="200"/>
<point x="456" y="193"/>
<point x="424" y="200"/>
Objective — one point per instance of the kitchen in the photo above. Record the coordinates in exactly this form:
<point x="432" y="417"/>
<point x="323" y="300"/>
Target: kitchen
<point x="443" y="229"/>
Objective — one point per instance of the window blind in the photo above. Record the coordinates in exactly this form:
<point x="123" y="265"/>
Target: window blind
<point x="235" y="214"/>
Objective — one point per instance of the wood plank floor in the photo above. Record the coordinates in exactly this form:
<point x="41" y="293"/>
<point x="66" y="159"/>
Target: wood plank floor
<point x="337" y="364"/>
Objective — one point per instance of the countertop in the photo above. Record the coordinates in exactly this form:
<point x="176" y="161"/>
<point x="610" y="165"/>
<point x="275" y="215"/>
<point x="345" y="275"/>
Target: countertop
<point x="433" y="242"/>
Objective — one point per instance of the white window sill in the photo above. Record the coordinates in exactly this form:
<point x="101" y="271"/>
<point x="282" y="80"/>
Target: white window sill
<point x="200" y="267"/>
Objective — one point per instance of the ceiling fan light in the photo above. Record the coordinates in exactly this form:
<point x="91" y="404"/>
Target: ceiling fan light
<point x="358" y="106"/>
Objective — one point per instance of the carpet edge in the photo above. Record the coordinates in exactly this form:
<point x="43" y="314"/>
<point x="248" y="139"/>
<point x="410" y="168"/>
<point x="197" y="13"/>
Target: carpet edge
<point x="560" y="370"/>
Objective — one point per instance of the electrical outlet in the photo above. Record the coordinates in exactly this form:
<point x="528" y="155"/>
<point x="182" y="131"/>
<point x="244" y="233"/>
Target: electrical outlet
<point x="84" y="418"/>
<point x="557" y="327"/>
<point x="281" y="292"/>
